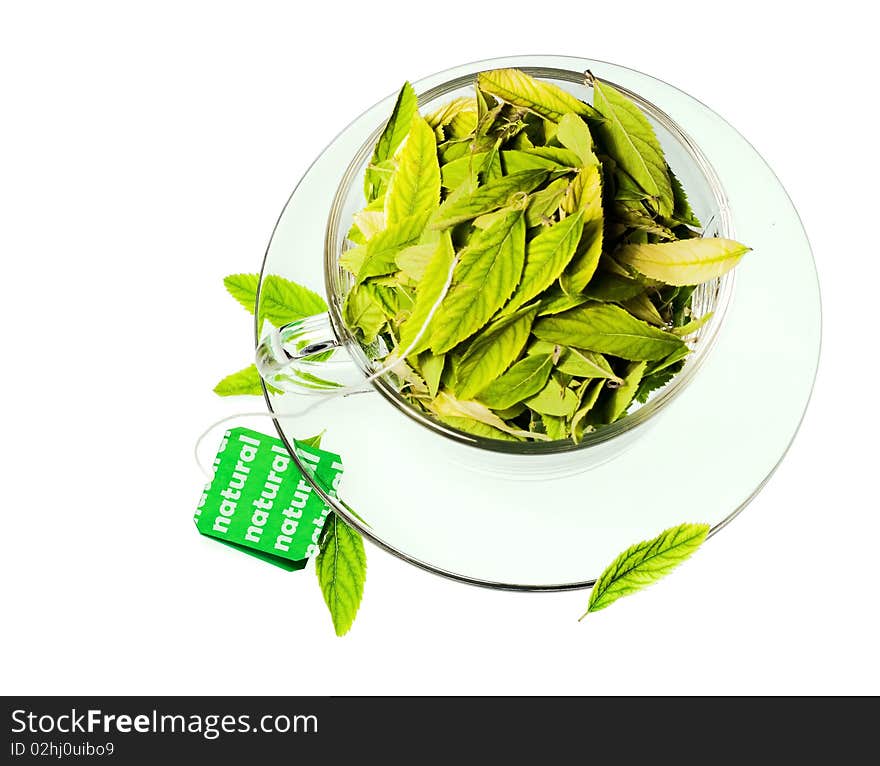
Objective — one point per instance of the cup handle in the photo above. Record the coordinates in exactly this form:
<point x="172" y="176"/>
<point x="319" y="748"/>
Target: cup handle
<point x="306" y="357"/>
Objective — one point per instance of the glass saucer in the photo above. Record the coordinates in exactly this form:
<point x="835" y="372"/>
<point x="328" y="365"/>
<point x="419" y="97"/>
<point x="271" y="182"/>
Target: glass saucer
<point x="442" y="507"/>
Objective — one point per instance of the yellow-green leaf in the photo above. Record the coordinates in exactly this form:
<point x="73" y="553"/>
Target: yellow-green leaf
<point x="445" y="405"/>
<point x="395" y="131"/>
<point x="584" y="196"/>
<point x="573" y="133"/>
<point x="542" y="98"/>
<point x="415" y="183"/>
<point x="685" y="262"/>
<point x="645" y="563"/>
<point x="547" y="255"/>
<point x="243" y="287"/>
<point x="475" y="427"/>
<point x="609" y="330"/>
<point x="495" y="194"/>
<point x="341" y="567"/>
<point x="487" y="273"/>
<point x="382" y="249"/>
<point x="283" y="301"/>
<point x="492" y="351"/>
<point x="524" y="379"/>
<point x="429" y="291"/>
<point x="630" y="140"/>
<point x="245" y="382"/>
<point x="621" y="397"/>
<point x="554" y="399"/>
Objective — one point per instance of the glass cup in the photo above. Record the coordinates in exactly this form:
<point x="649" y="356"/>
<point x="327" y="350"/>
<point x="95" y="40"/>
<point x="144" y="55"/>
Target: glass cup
<point x="319" y="355"/>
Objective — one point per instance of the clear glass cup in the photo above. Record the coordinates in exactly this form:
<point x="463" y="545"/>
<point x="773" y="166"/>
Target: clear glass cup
<point x="320" y="355"/>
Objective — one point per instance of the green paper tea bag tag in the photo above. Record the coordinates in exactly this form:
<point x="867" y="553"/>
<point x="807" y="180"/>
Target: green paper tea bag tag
<point x="259" y="502"/>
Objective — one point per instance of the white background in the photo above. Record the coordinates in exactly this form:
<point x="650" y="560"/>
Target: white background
<point x="146" y="153"/>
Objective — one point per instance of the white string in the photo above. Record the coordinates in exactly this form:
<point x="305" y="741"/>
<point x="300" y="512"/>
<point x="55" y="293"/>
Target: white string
<point x="343" y="391"/>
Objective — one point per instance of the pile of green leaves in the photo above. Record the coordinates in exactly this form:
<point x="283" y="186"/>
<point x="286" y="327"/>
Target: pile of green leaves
<point x="532" y="257"/>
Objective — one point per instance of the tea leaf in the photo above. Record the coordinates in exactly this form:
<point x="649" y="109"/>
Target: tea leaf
<point x="475" y="427"/>
<point x="645" y="563"/>
<point x="573" y="133"/>
<point x="554" y="399"/>
<point x="682" y="210"/>
<point x="283" y="301"/>
<point x="547" y="255"/>
<point x="686" y="261"/>
<point x="361" y="312"/>
<point x="429" y="290"/>
<point x="413" y="260"/>
<point x="515" y="161"/>
<point x="395" y="131"/>
<point x="521" y="381"/>
<point x="415" y="185"/>
<point x="692" y="326"/>
<point x="492" y="351"/>
<point x="245" y="382"/>
<point x="382" y="250"/>
<point x="589" y="395"/>
<point x="628" y="137"/>
<point x="493" y="195"/>
<point x="542" y="98"/>
<point x="243" y="287"/>
<point x="449" y="111"/>
<point x="555" y="302"/>
<point x="487" y="273"/>
<point x="447" y="405"/>
<point x="641" y="307"/>
<point x="544" y="203"/>
<point x="609" y="330"/>
<point x="585" y="194"/>
<point x="341" y="566"/>
<point x="432" y="366"/>
<point x="622" y="396"/>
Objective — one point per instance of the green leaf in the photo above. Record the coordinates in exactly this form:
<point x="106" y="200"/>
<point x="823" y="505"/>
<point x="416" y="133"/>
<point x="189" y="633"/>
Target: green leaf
<point x="362" y="313"/>
<point x="609" y="330"/>
<point x="487" y="273"/>
<point x="475" y="427"/>
<point x="589" y="394"/>
<point x="283" y="301"/>
<point x="432" y="366"/>
<point x="445" y="405"/>
<point x="585" y="195"/>
<point x="446" y="113"/>
<point x="516" y="161"/>
<point x="691" y="327"/>
<point x="542" y="98"/>
<point x="556" y="301"/>
<point x="607" y="286"/>
<point x="629" y="138"/>
<point x="621" y="397"/>
<point x="312" y="441"/>
<point x="547" y="255"/>
<point x="573" y="133"/>
<point x="492" y="351"/>
<point x="383" y="249"/>
<point x="654" y="381"/>
<point x="526" y="378"/>
<point x="395" y="131"/>
<point x="429" y="291"/>
<point x="414" y="260"/>
<point x="555" y="427"/>
<point x="642" y="307"/>
<point x="496" y="194"/>
<point x="455" y="172"/>
<point x="245" y="382"/>
<point x="415" y="184"/>
<point x="645" y="563"/>
<point x="341" y="567"/>
<point x="554" y="399"/>
<point x="544" y="203"/>
<point x="682" y="211"/>
<point x="685" y="262"/>
<point x="243" y="287"/>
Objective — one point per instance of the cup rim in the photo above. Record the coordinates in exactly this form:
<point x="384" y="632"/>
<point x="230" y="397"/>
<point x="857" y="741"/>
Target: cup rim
<point x="645" y="413"/>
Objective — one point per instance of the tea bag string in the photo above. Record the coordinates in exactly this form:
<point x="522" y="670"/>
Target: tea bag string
<point x="390" y="365"/>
